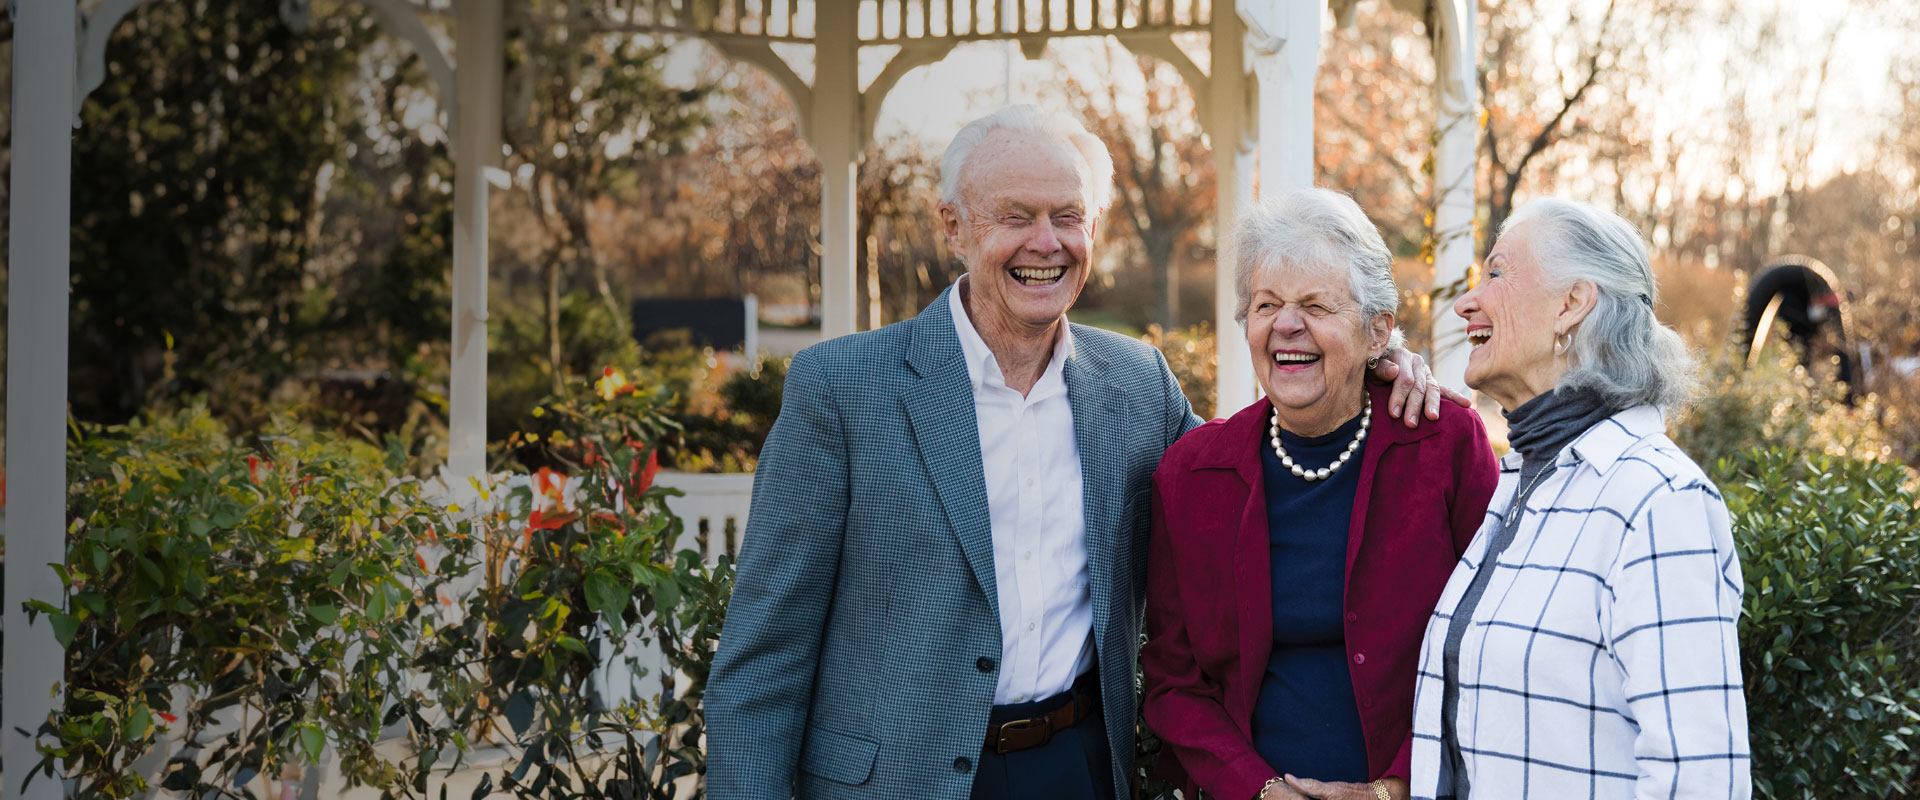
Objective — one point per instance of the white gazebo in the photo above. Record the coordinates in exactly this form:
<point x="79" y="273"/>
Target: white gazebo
<point x="1253" y="84"/>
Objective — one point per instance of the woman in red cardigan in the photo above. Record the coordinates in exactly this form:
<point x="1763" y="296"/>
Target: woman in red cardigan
<point x="1299" y="546"/>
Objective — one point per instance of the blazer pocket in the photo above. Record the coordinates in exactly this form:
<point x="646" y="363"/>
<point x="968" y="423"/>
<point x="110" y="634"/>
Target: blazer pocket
<point x="839" y="757"/>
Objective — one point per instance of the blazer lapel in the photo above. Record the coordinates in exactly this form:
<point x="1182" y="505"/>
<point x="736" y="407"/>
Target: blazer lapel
<point x="1100" y="431"/>
<point x="940" y="412"/>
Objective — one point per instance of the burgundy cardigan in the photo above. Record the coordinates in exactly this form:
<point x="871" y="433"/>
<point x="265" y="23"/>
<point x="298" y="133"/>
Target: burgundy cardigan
<point x="1421" y="497"/>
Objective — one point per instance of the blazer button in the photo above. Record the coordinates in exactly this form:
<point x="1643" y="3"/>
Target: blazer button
<point x="1359" y="658"/>
<point x="985" y="664"/>
<point x="962" y="765"/>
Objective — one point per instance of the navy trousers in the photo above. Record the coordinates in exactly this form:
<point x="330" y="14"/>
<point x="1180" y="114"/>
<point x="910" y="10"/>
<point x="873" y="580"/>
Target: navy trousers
<point x="1073" y="765"/>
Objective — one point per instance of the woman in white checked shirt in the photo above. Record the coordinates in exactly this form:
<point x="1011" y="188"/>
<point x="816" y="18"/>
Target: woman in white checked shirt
<point x="1585" y="644"/>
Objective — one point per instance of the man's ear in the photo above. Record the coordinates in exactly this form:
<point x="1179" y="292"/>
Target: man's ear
<point x="950" y="222"/>
<point x="1577" y="303"/>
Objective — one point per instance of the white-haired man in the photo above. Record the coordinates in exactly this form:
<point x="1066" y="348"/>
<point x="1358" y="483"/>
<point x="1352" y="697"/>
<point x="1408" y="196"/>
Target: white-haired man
<point x="940" y="591"/>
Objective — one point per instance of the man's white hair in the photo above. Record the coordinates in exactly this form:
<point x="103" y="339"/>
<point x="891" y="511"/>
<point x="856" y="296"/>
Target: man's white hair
<point x="1028" y="119"/>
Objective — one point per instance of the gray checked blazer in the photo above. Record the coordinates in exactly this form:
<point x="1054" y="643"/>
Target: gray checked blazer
<point x="858" y="654"/>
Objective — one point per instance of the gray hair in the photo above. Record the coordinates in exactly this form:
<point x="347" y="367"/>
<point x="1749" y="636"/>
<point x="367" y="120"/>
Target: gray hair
<point x="1028" y="119"/>
<point x="1621" y="351"/>
<point x="1301" y="228"/>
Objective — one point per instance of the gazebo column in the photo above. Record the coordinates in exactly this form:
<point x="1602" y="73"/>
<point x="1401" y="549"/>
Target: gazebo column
<point x="1230" y="107"/>
<point x="1456" y="93"/>
<point x="1278" y="44"/>
<point x="835" y="133"/>
<point x="39" y="227"/>
<point x="479" y="47"/>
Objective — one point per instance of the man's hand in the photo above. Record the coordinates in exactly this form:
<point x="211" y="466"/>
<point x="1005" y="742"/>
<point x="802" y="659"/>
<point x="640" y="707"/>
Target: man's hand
<point x="1331" y="790"/>
<point x="1414" y="388"/>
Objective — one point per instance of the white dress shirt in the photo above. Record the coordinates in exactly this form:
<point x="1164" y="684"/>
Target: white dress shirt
<point x="1035" y="502"/>
<point x="1603" y="661"/>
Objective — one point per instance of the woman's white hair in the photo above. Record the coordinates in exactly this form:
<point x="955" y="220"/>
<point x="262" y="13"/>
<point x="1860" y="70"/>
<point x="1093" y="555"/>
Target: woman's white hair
<point x="1029" y="119"/>
<point x="1620" y="350"/>
<point x="1316" y="229"/>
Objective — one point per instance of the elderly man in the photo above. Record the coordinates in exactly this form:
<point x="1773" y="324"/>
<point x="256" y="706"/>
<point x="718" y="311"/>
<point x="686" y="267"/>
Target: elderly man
<point x="940" y="592"/>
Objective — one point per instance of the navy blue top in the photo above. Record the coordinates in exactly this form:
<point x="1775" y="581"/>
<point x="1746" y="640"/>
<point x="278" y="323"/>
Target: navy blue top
<point x="1305" y="722"/>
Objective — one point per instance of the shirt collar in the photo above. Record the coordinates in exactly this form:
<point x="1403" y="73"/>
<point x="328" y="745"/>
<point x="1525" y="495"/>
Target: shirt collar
<point x="1605" y="443"/>
<point x="983" y="367"/>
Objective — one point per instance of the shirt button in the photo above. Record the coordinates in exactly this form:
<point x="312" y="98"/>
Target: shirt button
<point x="1029" y="482"/>
<point x="962" y="765"/>
<point x="1359" y="658"/>
<point x="984" y="664"/>
<point x="1353" y="616"/>
<point x="1031" y="625"/>
<point x="1027" y="555"/>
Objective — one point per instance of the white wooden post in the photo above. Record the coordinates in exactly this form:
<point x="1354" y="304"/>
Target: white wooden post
<point x="480" y="52"/>
<point x="835" y="134"/>
<point x="751" y="346"/>
<point x="39" y="227"/>
<point x="1286" y="70"/>
<point x="1456" y="94"/>
<point x="1233" y="165"/>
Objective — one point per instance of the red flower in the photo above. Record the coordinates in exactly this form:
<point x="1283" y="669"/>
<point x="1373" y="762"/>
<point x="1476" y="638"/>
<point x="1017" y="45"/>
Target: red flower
<point x="548" y="483"/>
<point x="422" y="559"/>
<point x="166" y="716"/>
<point x="255" y="466"/>
<point x="644" y="473"/>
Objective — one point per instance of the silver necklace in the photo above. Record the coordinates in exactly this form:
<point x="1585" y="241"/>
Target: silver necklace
<point x="1273" y="436"/>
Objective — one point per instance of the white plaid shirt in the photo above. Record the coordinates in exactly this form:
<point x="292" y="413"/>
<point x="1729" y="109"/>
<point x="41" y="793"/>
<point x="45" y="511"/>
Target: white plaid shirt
<point x="1602" y="661"/>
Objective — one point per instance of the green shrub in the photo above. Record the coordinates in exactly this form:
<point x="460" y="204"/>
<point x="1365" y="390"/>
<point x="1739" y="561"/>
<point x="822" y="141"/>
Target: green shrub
<point x="1191" y="355"/>
<point x="1775" y="404"/>
<point x="278" y="582"/>
<point x="1830" y="549"/>
<point x="522" y="652"/>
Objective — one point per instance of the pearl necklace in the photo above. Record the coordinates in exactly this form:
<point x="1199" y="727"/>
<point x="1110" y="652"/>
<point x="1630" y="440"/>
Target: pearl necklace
<point x="1273" y="434"/>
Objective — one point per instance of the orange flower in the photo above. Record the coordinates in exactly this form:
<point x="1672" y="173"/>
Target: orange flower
<point x="255" y="466"/>
<point x="166" y="716"/>
<point x="548" y="483"/>
<point x="423" y="561"/>
<point x="612" y="383"/>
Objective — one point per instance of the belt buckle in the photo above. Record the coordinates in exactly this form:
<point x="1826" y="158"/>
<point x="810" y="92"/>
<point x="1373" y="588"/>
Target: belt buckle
<point x="1000" y="743"/>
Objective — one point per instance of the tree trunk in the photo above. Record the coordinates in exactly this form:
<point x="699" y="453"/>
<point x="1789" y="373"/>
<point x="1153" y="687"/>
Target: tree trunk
<point x="551" y="273"/>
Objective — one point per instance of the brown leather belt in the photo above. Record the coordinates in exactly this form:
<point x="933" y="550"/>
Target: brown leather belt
<point x="1021" y="734"/>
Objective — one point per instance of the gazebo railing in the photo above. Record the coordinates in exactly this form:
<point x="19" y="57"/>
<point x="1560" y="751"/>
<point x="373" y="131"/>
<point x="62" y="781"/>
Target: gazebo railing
<point x="890" y="21"/>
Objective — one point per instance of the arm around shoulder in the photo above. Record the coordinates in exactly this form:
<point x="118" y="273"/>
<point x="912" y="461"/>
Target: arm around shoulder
<point x="763" y="674"/>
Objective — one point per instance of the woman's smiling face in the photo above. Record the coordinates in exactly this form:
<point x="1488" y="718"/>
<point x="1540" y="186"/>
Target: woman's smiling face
<point x="1512" y="316"/>
<point x="1309" y="344"/>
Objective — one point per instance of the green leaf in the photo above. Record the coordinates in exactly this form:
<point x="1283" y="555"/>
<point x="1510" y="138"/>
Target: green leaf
<point x="312" y="741"/>
<point x="605" y="595"/>
<point x="64" y="627"/>
<point x="519" y="711"/>
<point x="325" y="615"/>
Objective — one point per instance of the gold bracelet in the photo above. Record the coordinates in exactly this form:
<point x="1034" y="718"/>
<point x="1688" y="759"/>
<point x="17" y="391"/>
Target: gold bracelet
<point x="1271" y="782"/>
<point x="1380" y="790"/>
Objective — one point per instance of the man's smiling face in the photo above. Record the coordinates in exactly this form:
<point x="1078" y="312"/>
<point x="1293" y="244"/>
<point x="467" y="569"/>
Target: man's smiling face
<point x="1024" y="227"/>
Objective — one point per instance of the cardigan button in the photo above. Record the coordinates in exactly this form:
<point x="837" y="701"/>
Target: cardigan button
<point x="1359" y="658"/>
<point x="1353" y="616"/>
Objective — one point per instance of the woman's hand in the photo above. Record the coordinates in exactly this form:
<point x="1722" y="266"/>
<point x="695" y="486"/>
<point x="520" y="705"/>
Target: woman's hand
<point x="1332" y="790"/>
<point x="1414" y="388"/>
